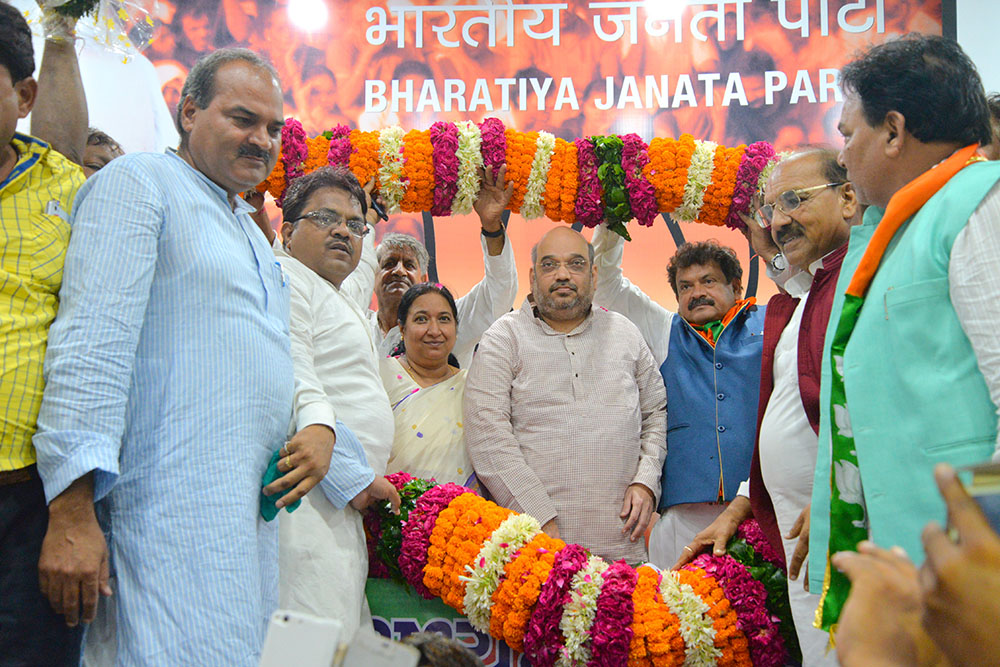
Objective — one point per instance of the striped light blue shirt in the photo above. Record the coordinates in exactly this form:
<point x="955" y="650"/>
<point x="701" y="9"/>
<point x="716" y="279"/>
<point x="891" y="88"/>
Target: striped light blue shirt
<point x="169" y="375"/>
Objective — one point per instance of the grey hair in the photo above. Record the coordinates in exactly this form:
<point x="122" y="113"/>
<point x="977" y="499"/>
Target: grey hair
<point x="200" y="82"/>
<point x="590" y="252"/>
<point x="397" y="241"/>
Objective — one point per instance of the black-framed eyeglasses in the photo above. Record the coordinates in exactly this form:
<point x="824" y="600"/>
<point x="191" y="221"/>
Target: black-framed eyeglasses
<point x="788" y="201"/>
<point x="326" y="219"/>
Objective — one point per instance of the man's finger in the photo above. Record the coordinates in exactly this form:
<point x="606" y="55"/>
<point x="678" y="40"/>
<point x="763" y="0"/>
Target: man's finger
<point x="104" y="581"/>
<point x="798" y="556"/>
<point x="88" y="596"/>
<point x="796" y="528"/>
<point x="963" y="512"/>
<point x="645" y="513"/>
<point x="626" y="506"/>
<point x="394" y="501"/>
<point x="300" y="490"/>
<point x="633" y="516"/>
<point x="286" y="481"/>
<point x="849" y="562"/>
<point x="938" y="547"/>
<point x="71" y="601"/>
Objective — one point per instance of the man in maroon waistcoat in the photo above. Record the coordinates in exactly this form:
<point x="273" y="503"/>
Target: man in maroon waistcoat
<point x="808" y="207"/>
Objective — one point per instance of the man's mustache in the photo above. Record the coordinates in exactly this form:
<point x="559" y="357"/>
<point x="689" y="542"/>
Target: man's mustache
<point x="700" y="301"/>
<point x="248" y="150"/>
<point x="788" y="232"/>
<point x="560" y="284"/>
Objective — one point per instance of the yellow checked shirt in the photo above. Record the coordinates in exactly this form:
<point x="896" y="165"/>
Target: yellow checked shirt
<point x="35" y="201"/>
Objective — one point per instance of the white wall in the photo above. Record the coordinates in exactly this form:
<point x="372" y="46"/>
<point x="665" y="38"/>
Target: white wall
<point x="978" y="28"/>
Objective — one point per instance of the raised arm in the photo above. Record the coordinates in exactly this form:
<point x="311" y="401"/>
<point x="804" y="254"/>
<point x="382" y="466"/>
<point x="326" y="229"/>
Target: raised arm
<point x="494" y="451"/>
<point x="59" y="116"/>
<point x="616" y="293"/>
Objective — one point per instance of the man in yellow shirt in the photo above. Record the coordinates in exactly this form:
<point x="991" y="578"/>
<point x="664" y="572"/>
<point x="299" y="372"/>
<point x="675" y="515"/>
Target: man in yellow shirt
<point x="37" y="187"/>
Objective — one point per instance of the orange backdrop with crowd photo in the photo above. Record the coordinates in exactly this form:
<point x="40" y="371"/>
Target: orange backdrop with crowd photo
<point x="730" y="71"/>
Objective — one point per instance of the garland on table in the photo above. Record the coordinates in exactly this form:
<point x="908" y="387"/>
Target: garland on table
<point x="563" y="606"/>
<point x="592" y="180"/>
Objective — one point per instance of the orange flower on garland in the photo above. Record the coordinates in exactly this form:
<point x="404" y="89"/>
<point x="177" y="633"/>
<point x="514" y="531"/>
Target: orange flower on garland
<point x="669" y="160"/>
<point x="275" y="183"/>
<point x="554" y="181"/>
<point x="728" y="636"/>
<point x="318" y="147"/>
<point x="437" y="552"/>
<point x="472" y="529"/>
<point x="517" y="595"/>
<point x="418" y="171"/>
<point x="656" y="638"/>
<point x="363" y="162"/>
<point x="520" y="155"/>
<point x="570" y="184"/>
<point x="719" y="195"/>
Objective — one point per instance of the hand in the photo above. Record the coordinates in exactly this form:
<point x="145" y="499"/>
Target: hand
<point x="880" y="622"/>
<point x="73" y="566"/>
<point x="759" y="238"/>
<point x="550" y="528"/>
<point x="718" y="532"/>
<point x="800" y="529"/>
<point x="259" y="216"/>
<point x="637" y="510"/>
<point x="305" y="460"/>
<point x="960" y="582"/>
<point x="371" y="217"/>
<point x="380" y="489"/>
<point x="493" y="198"/>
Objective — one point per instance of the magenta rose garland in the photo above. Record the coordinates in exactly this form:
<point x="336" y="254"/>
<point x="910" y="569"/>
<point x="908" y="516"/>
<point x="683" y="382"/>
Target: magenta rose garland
<point x="641" y="193"/>
<point x="494" y="144"/>
<point x="589" y="209"/>
<point x="340" y="146"/>
<point x="444" y="142"/>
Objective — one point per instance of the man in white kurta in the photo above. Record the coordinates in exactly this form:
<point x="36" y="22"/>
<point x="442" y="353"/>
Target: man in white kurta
<point x="323" y="559"/>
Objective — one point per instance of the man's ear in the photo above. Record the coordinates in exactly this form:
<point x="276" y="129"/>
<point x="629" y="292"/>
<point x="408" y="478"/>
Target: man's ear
<point x="286" y="233"/>
<point x="188" y="111"/>
<point x="848" y="201"/>
<point x="737" y="288"/>
<point x="894" y="126"/>
<point x="26" y="89"/>
<point x="424" y="278"/>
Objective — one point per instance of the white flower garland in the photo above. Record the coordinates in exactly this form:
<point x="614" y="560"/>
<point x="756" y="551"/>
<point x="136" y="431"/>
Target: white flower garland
<point x="532" y="207"/>
<point x="470" y="161"/>
<point x="699" y="177"/>
<point x="696" y="626"/>
<point x="484" y="576"/>
<point x="390" y="171"/>
<point x="769" y="168"/>
<point x="579" y="612"/>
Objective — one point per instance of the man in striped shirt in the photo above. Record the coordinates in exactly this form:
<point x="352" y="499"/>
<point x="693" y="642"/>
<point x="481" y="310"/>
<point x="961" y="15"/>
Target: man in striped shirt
<point x="37" y="188"/>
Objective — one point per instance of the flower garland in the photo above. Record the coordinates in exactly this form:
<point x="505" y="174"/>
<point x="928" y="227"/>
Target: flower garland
<point x="589" y="210"/>
<point x="699" y="177"/>
<point x="484" y="575"/>
<point x="752" y="533"/>
<point x="578" y="614"/>
<point x="444" y="144"/>
<point x="617" y="211"/>
<point x="390" y="172"/>
<point x="642" y="194"/>
<point x="543" y="638"/>
<point x="754" y="161"/>
<point x="532" y="207"/>
<point x="417" y="536"/>
<point x="607" y="179"/>
<point x="386" y="529"/>
<point x="470" y="161"/>
<point x="563" y="606"/>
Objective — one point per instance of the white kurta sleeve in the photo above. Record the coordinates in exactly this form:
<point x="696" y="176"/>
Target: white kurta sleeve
<point x="360" y="284"/>
<point x="490" y="298"/>
<point x="616" y="293"/>
<point x="974" y="286"/>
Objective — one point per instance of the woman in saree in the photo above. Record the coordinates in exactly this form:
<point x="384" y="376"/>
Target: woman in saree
<point x="426" y="387"/>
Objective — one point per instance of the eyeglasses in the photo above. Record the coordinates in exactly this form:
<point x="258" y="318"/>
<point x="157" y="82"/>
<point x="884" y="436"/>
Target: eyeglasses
<point x="326" y="219"/>
<point x="788" y="201"/>
<point x="577" y="265"/>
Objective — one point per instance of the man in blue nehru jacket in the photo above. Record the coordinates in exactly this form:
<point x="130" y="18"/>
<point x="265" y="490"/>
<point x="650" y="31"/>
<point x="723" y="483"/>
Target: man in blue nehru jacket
<point x="709" y="355"/>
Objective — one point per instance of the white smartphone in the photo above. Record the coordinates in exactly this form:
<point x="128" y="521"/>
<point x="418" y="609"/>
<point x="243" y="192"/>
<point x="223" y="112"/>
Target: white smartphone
<point x="370" y="649"/>
<point x="303" y="640"/>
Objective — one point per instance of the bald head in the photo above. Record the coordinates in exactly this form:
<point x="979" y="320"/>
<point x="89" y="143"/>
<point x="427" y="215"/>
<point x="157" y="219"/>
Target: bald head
<point x="562" y="231"/>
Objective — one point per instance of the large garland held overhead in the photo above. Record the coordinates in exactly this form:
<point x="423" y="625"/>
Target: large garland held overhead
<point x="562" y="606"/>
<point x="602" y="179"/>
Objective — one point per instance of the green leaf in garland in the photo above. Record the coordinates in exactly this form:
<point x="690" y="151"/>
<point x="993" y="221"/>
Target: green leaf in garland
<point x="617" y="209"/>
<point x="391" y="538"/>
<point x="619" y="229"/>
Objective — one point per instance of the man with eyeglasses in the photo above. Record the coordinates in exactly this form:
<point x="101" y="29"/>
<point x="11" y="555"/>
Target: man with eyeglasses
<point x="323" y="557"/>
<point x="711" y="374"/>
<point x="564" y="409"/>
<point x="806" y="213"/>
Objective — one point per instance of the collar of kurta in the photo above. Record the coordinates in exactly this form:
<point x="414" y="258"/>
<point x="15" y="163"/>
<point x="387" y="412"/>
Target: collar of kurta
<point x="529" y="305"/>
<point x="711" y="331"/>
<point x="239" y="205"/>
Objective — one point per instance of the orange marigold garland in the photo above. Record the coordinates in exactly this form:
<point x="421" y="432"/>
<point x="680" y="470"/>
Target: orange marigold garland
<point x="472" y="528"/>
<point x="363" y="162"/>
<point x="275" y="183"/>
<point x="553" y="184"/>
<point x="440" y="541"/>
<point x="728" y="636"/>
<point x="656" y="639"/>
<point x="570" y="184"/>
<point x="418" y="170"/>
<point x="517" y="595"/>
<point x="719" y="195"/>
<point x="520" y="155"/>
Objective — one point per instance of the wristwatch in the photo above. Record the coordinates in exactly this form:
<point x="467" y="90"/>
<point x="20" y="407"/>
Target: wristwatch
<point x="492" y="235"/>
<point x="778" y="263"/>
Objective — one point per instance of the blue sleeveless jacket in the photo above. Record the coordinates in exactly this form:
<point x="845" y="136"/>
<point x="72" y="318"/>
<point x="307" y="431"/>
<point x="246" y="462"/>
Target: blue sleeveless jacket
<point x="711" y="408"/>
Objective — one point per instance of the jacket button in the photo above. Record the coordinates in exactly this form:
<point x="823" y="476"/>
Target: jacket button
<point x="718" y="365"/>
<point x="720" y="396"/>
<point x="722" y="429"/>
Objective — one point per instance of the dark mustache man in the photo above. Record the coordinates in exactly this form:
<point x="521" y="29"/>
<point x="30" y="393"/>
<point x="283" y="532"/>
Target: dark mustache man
<point x="709" y="355"/>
